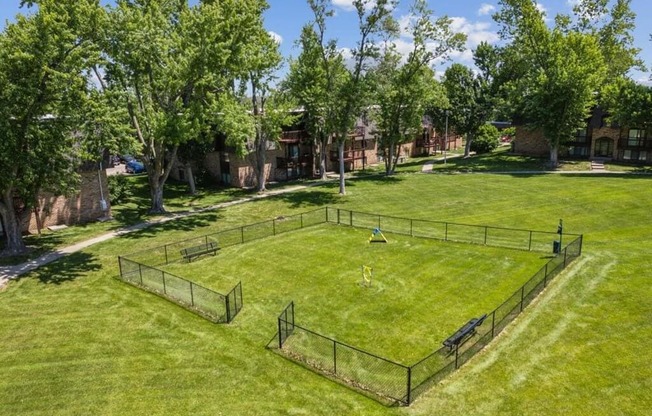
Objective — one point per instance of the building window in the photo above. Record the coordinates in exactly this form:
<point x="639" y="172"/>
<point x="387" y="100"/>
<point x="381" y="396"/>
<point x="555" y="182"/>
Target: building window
<point x="578" y="151"/>
<point x="580" y="135"/>
<point x="635" y="155"/>
<point x="635" y="137"/>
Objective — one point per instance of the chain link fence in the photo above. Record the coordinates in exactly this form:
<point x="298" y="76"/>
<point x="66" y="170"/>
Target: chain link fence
<point x="208" y="303"/>
<point x="402" y="383"/>
<point x="513" y="238"/>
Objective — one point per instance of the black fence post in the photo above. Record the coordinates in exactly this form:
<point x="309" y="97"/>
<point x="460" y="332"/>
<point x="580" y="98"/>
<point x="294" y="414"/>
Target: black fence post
<point x="446" y="233"/>
<point x="240" y="290"/>
<point x="379" y="222"/>
<point x="493" y="323"/>
<point x="301" y="216"/>
<point x="529" y="247"/>
<point x="192" y="296"/>
<point x="165" y="247"/>
<point x="409" y="384"/>
<point x="565" y="253"/>
<point x="206" y="240"/>
<point x="581" y="243"/>
<point x="163" y="278"/>
<point x="228" y="309"/>
<point x="485" y="235"/>
<point x="522" y="293"/>
<point x="140" y="272"/>
<point x="274" y="227"/>
<point x="457" y="348"/>
<point x="411" y="228"/>
<point x="351" y="218"/>
<point x="338" y="216"/>
<point x="334" y="357"/>
<point x="280" y="337"/>
<point x="242" y="235"/>
<point x="120" y="265"/>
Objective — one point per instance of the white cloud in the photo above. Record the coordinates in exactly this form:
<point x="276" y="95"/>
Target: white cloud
<point x="572" y="3"/>
<point x="485" y="9"/>
<point x="644" y="80"/>
<point x="348" y="4"/>
<point x="475" y="32"/>
<point x="277" y="38"/>
<point x="540" y="7"/>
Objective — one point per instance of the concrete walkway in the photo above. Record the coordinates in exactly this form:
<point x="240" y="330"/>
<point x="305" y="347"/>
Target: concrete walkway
<point x="8" y="273"/>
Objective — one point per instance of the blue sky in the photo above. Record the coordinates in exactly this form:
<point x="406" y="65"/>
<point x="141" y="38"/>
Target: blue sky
<point x="473" y="17"/>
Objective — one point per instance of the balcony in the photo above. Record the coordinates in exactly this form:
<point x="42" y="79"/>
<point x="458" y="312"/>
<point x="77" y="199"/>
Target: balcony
<point x="349" y="155"/>
<point x="635" y="144"/>
<point x="293" y="136"/>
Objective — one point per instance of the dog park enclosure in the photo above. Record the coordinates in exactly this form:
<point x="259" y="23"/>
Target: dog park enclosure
<point x="392" y="379"/>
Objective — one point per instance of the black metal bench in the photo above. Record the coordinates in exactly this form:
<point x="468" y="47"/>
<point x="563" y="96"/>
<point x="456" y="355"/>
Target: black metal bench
<point x="196" y="251"/>
<point x="464" y="333"/>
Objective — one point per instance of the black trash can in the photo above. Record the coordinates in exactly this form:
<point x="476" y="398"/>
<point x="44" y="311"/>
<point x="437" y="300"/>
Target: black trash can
<point x="556" y="247"/>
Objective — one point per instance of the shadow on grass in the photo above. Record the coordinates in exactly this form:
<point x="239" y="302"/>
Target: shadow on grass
<point x="67" y="268"/>
<point x="189" y="223"/>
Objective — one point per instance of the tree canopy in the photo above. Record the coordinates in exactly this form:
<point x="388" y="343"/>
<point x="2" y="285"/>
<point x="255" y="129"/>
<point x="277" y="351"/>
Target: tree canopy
<point x="406" y="86"/>
<point x="44" y="94"/>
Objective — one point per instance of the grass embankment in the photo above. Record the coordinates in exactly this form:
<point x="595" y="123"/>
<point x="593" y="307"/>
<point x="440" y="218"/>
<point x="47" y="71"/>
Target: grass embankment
<point x="77" y="341"/>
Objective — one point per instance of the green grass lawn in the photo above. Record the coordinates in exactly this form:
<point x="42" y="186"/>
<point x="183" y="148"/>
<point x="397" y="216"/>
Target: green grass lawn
<point x="78" y="341"/>
<point x="422" y="290"/>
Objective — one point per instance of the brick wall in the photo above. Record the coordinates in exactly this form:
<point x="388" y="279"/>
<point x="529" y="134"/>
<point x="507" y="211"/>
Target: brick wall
<point x="530" y="142"/>
<point x="610" y="132"/>
<point x="81" y="207"/>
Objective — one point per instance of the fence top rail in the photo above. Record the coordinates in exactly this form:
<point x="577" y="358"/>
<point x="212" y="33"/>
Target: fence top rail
<point x="224" y="231"/>
<point x="453" y="223"/>
<point x="175" y="276"/>
<point x="345" y="345"/>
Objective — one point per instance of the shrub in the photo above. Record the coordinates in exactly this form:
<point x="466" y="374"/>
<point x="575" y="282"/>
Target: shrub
<point x="487" y="139"/>
<point x="119" y="189"/>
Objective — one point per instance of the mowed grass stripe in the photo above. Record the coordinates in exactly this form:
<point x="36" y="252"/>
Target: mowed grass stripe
<point x="593" y="335"/>
<point x="422" y="290"/>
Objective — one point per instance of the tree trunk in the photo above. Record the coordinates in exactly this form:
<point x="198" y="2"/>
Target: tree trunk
<point x="322" y="157"/>
<point x="467" y="145"/>
<point x="340" y="153"/>
<point x="260" y="168"/>
<point x="156" y="195"/>
<point x="554" y="155"/>
<point x="191" y="179"/>
<point x="11" y="223"/>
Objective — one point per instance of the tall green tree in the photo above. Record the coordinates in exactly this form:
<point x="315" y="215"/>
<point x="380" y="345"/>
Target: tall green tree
<point x="44" y="90"/>
<point x="405" y="86"/>
<point x="310" y="79"/>
<point x="174" y="64"/>
<point x="471" y="95"/>
<point x="269" y="109"/>
<point x="350" y="89"/>
<point x="563" y="71"/>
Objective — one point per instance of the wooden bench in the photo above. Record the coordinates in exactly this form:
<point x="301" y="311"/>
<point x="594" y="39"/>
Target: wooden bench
<point x="465" y="332"/>
<point x="196" y="251"/>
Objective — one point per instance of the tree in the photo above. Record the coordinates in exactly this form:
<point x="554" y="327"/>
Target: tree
<point x="269" y="109"/>
<point x="43" y="94"/>
<point x="563" y="71"/>
<point x="630" y="104"/>
<point x="405" y="88"/>
<point x="174" y="64"/>
<point x="309" y="81"/>
<point x="350" y="88"/>
<point x="487" y="139"/>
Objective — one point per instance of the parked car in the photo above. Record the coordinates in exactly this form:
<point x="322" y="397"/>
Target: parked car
<point x="125" y="158"/>
<point x="134" y="166"/>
